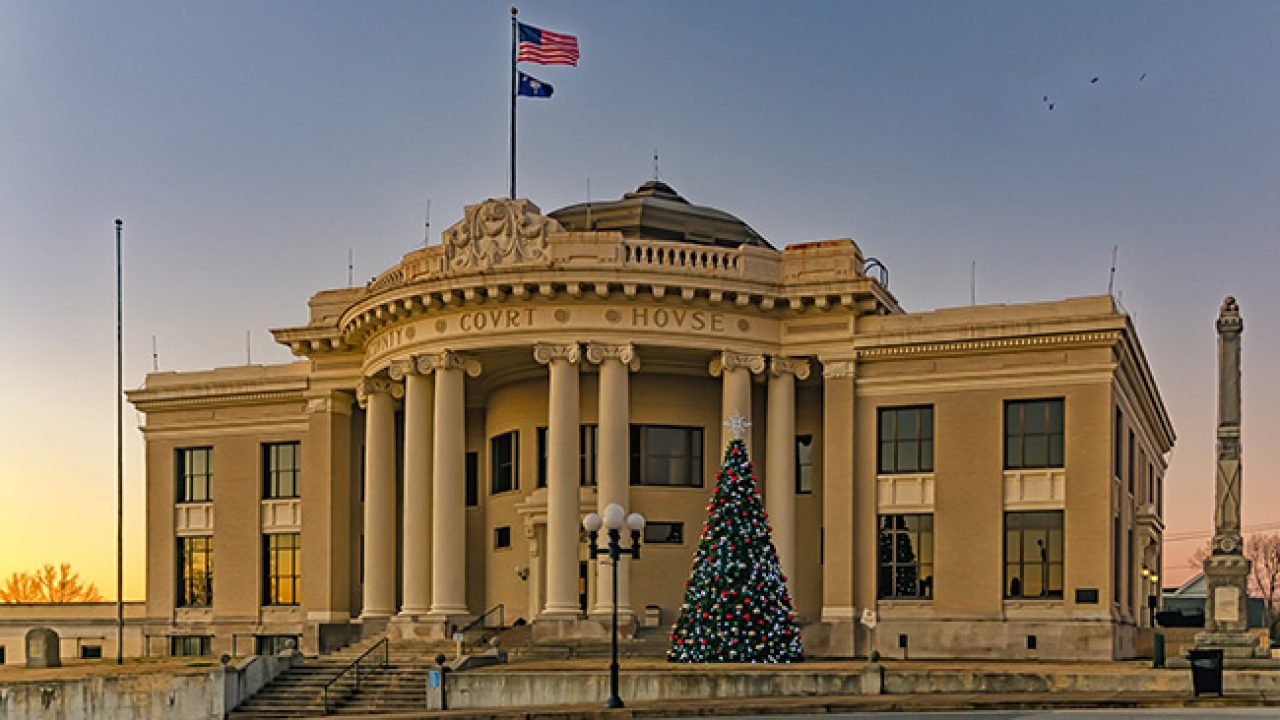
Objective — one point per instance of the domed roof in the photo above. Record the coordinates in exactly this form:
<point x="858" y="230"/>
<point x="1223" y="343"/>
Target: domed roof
<point x="657" y="212"/>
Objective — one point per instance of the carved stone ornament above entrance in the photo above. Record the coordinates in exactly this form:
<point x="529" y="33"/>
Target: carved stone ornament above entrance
<point x="498" y="232"/>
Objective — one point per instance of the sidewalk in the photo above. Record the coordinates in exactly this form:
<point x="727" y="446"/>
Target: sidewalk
<point x="846" y="704"/>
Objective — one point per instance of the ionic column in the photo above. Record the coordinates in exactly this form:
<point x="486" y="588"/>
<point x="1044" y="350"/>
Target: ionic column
<point x="378" y="396"/>
<point x="613" y="459"/>
<point x="562" y="477"/>
<point x="735" y="396"/>
<point x="780" y="459"/>
<point x="838" y="501"/>
<point x="419" y="391"/>
<point x="448" y="487"/>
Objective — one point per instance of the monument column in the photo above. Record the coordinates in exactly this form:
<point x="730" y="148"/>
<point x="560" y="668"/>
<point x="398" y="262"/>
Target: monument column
<point x="448" y="487"/>
<point x="736" y="370"/>
<point x="838" y="503"/>
<point x="613" y="460"/>
<point x="378" y="396"/>
<point x="780" y="459"/>
<point x="419" y="390"/>
<point x="1226" y="569"/>
<point x="562" y="477"/>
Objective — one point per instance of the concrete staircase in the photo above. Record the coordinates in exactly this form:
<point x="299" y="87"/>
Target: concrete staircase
<point x="400" y="687"/>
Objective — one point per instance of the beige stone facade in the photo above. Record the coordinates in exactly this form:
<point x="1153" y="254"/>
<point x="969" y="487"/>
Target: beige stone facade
<point x="987" y="480"/>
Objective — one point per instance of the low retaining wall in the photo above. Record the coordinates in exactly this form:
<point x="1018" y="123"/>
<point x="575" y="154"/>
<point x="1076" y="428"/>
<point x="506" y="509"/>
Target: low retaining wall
<point x="530" y="688"/>
<point x="186" y="693"/>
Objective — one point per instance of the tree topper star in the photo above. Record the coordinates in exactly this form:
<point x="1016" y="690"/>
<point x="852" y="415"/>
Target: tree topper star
<point x="738" y="425"/>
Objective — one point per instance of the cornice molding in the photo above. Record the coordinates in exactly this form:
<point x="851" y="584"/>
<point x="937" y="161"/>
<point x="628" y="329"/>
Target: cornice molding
<point x="1102" y="337"/>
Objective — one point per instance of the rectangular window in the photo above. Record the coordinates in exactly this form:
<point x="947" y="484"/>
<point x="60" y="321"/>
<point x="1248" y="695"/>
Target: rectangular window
<point x="1151" y="484"/>
<point x="90" y="652"/>
<point x="906" y="440"/>
<point x="664" y="533"/>
<point x="473" y="479"/>
<point x="189" y="645"/>
<point x="274" y="644"/>
<point x="804" y="464"/>
<point x="1117" y="560"/>
<point x="905" y="557"/>
<point x="195" y="571"/>
<point x="541" y="436"/>
<point x="1117" y="446"/>
<point x="281" y="465"/>
<point x="504" y="459"/>
<point x="502" y="537"/>
<point x="1132" y="457"/>
<point x="1033" y="434"/>
<point x="1033" y="554"/>
<point x="194" y="472"/>
<point x="588" y="447"/>
<point x="666" y="456"/>
<point x="281" y="568"/>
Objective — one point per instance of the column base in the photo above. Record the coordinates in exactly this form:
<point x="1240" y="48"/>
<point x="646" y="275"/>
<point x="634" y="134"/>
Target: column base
<point x="831" y="638"/>
<point x="422" y="626"/>
<point x="371" y="624"/>
<point x="556" y="629"/>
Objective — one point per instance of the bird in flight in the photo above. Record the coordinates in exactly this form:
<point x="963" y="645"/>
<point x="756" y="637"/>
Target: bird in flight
<point x="1094" y="80"/>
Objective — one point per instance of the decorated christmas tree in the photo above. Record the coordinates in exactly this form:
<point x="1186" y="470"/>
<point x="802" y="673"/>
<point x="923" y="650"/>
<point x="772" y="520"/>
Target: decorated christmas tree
<point x="736" y="605"/>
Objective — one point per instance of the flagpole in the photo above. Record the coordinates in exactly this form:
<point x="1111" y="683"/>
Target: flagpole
<point x="514" y="33"/>
<point x="119" y="456"/>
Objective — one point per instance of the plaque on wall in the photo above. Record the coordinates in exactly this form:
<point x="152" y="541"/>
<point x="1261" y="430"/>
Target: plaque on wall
<point x="1226" y="604"/>
<point x="1086" y="596"/>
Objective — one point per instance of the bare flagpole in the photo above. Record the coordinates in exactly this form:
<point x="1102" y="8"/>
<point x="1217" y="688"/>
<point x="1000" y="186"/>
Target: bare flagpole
<point x="119" y="455"/>
<point x="514" y="88"/>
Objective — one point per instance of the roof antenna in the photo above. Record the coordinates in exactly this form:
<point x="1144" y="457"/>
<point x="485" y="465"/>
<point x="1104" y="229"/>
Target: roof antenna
<point x="351" y="267"/>
<point x="656" y="175"/>
<point x="427" y="239"/>
<point x="589" y="226"/>
<point x="155" y="356"/>
<point x="973" y="282"/>
<point x="248" y="352"/>
<point x="1111" y="281"/>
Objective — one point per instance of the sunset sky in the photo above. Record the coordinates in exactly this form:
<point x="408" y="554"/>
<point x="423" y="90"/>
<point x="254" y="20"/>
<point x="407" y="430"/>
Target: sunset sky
<point x="249" y="145"/>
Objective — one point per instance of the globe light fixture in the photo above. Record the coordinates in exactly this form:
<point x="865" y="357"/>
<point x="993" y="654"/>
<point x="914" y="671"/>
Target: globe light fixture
<point x="615" y="518"/>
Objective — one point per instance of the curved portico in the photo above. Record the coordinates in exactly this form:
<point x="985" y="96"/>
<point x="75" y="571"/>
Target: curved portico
<point x="706" y="303"/>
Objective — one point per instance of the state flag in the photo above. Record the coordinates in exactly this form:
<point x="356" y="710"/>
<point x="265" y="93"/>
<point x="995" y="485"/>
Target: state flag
<point x="531" y="86"/>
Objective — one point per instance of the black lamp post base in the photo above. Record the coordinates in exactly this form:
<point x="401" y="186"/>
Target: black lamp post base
<point x="614" y="703"/>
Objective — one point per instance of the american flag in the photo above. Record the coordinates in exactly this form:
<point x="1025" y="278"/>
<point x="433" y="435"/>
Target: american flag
<point x="546" y="48"/>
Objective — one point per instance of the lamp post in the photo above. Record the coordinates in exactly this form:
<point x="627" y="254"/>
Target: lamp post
<point x="614" y="518"/>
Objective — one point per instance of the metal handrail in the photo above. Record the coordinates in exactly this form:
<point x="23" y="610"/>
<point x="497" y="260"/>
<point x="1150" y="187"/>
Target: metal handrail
<point x="354" y="666"/>
<point x="480" y="626"/>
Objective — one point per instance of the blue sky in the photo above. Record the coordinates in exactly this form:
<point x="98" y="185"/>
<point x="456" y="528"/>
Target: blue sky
<point x="250" y="145"/>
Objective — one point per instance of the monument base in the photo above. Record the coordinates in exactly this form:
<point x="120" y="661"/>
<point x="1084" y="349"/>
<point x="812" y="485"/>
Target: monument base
<point x="1232" y="644"/>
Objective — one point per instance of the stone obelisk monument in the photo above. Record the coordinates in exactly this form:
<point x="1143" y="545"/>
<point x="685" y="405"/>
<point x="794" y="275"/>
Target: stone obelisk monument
<point x="1226" y="569"/>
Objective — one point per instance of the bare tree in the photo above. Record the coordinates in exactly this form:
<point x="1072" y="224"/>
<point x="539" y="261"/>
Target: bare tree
<point x="48" y="584"/>
<point x="1264" y="551"/>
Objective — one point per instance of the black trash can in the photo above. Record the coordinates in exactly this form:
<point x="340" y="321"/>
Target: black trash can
<point x="1206" y="671"/>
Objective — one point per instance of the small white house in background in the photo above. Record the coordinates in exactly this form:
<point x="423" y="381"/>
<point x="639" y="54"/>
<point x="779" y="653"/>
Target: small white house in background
<point x="1189" y="599"/>
<point x="85" y="630"/>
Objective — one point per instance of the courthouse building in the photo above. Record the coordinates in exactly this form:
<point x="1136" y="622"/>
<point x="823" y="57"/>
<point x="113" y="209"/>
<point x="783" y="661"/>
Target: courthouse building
<point x="987" y="480"/>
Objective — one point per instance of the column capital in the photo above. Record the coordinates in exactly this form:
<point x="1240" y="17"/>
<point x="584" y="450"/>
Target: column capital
<point x="401" y="368"/>
<point x="545" y="353"/>
<point x="834" y="368"/>
<point x="375" y="385"/>
<point x="780" y="366"/>
<point x="729" y="360"/>
<point x="624" y="353"/>
<point x="448" y="360"/>
<point x="333" y="401"/>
